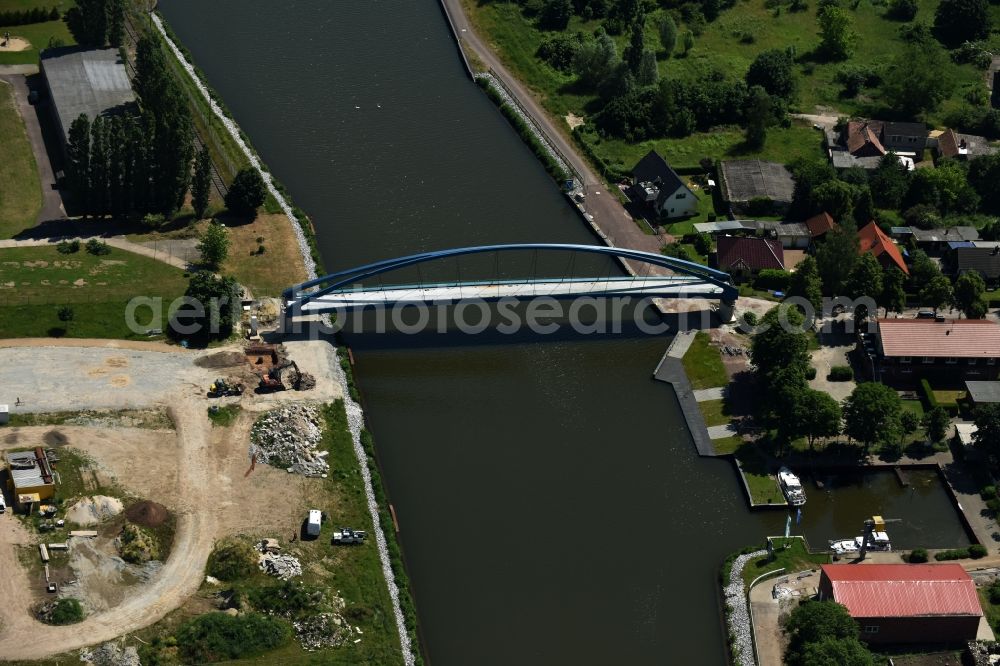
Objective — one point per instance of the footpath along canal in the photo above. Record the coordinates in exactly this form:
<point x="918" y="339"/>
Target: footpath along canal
<point x="552" y="506"/>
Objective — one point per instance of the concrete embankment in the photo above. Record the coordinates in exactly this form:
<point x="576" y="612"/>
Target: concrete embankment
<point x="355" y="415"/>
<point x="671" y="370"/>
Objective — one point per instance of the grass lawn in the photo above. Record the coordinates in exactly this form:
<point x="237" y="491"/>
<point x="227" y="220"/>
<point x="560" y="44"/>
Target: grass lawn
<point x="703" y="364"/>
<point x="41" y="36"/>
<point x="721" y="47"/>
<point x="727" y="445"/>
<point x="762" y="483"/>
<point x="792" y="559"/>
<point x="20" y="188"/>
<point x="36" y="281"/>
<point x="715" y="412"/>
<point x="990" y="610"/>
<point x="945" y="397"/>
<point x="914" y="406"/>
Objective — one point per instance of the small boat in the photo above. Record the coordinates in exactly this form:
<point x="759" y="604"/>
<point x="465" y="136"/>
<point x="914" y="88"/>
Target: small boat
<point x="791" y="487"/>
<point x="880" y="543"/>
<point x="844" y="546"/>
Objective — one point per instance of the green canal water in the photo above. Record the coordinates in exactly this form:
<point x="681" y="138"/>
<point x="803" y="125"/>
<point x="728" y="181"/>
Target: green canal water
<point x="551" y="505"/>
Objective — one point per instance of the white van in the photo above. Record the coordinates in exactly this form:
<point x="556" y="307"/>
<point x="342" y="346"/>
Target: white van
<point x="3" y="505"/>
<point x="312" y="527"/>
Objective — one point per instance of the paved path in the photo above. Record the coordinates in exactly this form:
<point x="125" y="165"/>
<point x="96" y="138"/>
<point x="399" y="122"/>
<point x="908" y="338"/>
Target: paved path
<point x="704" y="395"/>
<point x="671" y="371"/>
<point x="607" y="212"/>
<point x="52" y="205"/>
<point x="722" y="431"/>
<point x="119" y="242"/>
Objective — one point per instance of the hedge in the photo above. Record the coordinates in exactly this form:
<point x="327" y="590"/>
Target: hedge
<point x="930" y="400"/>
<point x="841" y="373"/>
<point x="917" y="556"/>
<point x="975" y="551"/>
<point x="771" y="279"/>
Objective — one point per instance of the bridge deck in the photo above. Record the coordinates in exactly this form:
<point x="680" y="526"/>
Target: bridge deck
<point x="653" y="286"/>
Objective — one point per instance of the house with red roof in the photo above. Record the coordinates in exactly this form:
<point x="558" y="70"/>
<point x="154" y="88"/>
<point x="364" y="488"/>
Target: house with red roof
<point x="948" y="351"/>
<point x="871" y="239"/>
<point x="749" y="255"/>
<point x="906" y="603"/>
<point x="819" y="225"/>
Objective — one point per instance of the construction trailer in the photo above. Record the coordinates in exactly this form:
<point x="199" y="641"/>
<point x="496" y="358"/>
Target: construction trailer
<point x="30" y="479"/>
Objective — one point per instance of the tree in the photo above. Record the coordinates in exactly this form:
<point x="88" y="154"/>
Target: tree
<point x="246" y="194"/>
<point x="837" y="32"/>
<point x="759" y="116"/>
<point x="555" y="14"/>
<point x="637" y="45"/>
<point x="893" y="296"/>
<point x="202" y="182"/>
<point x="596" y="59"/>
<point x="922" y="270"/>
<point x="987" y="434"/>
<point x="806" y="283"/>
<point x="836" y="258"/>
<point x="688" y="41"/>
<point x="214" y="245"/>
<point x="969" y="290"/>
<point x="648" y="71"/>
<point x="220" y="300"/>
<point x="821" y="415"/>
<point x="99" y="168"/>
<point x="866" y="278"/>
<point x="772" y="70"/>
<point x="116" y="22"/>
<point x="918" y="79"/>
<point x="889" y="182"/>
<point x="78" y="159"/>
<point x="815" y="621"/>
<point x="88" y="21"/>
<point x="837" y="652"/>
<point x="908" y="424"/>
<point x="65" y="313"/>
<point x="935" y="423"/>
<point x="777" y="345"/>
<point x="668" y="34"/>
<point x="984" y="174"/>
<point x="937" y="293"/>
<point x="946" y="188"/>
<point x="871" y="414"/>
<point x="902" y="10"/>
<point x="957" y="21"/>
<point x="835" y="197"/>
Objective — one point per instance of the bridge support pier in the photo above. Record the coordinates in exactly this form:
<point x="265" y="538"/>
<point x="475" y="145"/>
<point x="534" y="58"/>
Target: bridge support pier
<point x="727" y="311"/>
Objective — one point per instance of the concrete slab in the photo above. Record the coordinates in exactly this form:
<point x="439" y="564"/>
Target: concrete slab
<point x="717" y="393"/>
<point x="722" y="431"/>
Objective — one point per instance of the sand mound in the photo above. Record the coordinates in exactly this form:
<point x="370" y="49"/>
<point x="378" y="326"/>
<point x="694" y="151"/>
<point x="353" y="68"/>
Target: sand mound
<point x="227" y="359"/>
<point x="147" y="514"/>
<point x="14" y="44"/>
<point x="92" y="510"/>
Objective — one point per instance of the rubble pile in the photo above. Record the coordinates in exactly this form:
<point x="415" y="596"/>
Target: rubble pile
<point x="287" y="438"/>
<point x="322" y="630"/>
<point x="280" y="566"/>
<point x="113" y="653"/>
<point x="305" y="382"/>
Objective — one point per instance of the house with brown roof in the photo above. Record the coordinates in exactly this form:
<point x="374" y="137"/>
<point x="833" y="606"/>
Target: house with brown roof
<point x="748" y="256"/>
<point x="819" y="225"/>
<point x="962" y="146"/>
<point x="874" y="138"/>
<point x="982" y="260"/>
<point x="948" y="351"/>
<point x="905" y="603"/>
<point x="862" y="138"/>
<point x="871" y="239"/>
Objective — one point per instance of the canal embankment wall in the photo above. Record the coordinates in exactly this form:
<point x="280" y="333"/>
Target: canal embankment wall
<point x="355" y="414"/>
<point x="670" y="369"/>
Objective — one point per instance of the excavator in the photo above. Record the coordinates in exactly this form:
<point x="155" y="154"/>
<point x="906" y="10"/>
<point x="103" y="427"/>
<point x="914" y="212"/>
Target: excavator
<point x="273" y="380"/>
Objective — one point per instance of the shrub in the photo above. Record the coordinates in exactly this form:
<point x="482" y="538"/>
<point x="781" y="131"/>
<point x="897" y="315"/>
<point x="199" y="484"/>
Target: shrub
<point x="810" y="372"/>
<point x="988" y="492"/>
<point x="841" y="373"/>
<point x="137" y="545"/>
<point x="994" y="592"/>
<point x="956" y="554"/>
<point x="750" y="318"/>
<point x="232" y="560"/>
<point x="291" y="599"/>
<point x="65" y="611"/>
<point x="97" y="248"/>
<point x="917" y="556"/>
<point x="977" y="551"/>
<point x="68" y="247"/>
<point x="772" y="279"/>
<point x="246" y="193"/>
<point x="218" y="637"/>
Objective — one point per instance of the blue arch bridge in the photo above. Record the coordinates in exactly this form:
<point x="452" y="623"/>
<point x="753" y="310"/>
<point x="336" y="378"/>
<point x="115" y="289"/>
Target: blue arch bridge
<point x="353" y="290"/>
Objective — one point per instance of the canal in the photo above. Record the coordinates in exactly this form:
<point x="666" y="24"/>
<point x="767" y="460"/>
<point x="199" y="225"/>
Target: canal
<point x="551" y="505"/>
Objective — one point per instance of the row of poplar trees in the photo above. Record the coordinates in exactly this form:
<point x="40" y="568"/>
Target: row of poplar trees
<point x="135" y="163"/>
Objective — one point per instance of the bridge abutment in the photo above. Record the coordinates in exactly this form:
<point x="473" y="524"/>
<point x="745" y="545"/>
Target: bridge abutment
<point x="727" y="311"/>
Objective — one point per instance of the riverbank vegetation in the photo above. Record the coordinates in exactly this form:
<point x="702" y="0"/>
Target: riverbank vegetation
<point x="733" y="71"/>
<point x="20" y="189"/>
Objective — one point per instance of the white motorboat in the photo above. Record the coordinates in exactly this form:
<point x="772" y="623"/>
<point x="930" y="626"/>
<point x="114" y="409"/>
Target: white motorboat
<point x="791" y="487"/>
<point x="880" y="543"/>
<point x="844" y="546"/>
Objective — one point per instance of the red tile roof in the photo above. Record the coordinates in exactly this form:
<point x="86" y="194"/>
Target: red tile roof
<point x="864" y="133"/>
<point x="820" y="224"/>
<point x="872" y="239"/>
<point x="948" y="143"/>
<point x="750" y="253"/>
<point x="953" y="338"/>
<point x="903" y="590"/>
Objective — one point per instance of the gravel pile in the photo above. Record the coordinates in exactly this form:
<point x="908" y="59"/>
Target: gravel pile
<point x="322" y="631"/>
<point x="287" y="438"/>
<point x="93" y="510"/>
<point x="739" y="614"/>
<point x="113" y="653"/>
<point x="280" y="566"/>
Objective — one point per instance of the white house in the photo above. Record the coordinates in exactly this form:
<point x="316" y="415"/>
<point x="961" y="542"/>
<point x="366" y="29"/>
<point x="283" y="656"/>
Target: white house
<point x="656" y="185"/>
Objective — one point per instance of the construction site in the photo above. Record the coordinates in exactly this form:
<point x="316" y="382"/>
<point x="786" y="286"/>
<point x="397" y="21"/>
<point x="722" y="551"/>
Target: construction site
<point x="121" y="486"/>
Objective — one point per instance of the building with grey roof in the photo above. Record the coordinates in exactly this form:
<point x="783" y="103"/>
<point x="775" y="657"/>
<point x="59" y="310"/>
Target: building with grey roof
<point x="744" y="181"/>
<point x="89" y="81"/>
<point x="30" y="476"/>
<point x="983" y="393"/>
